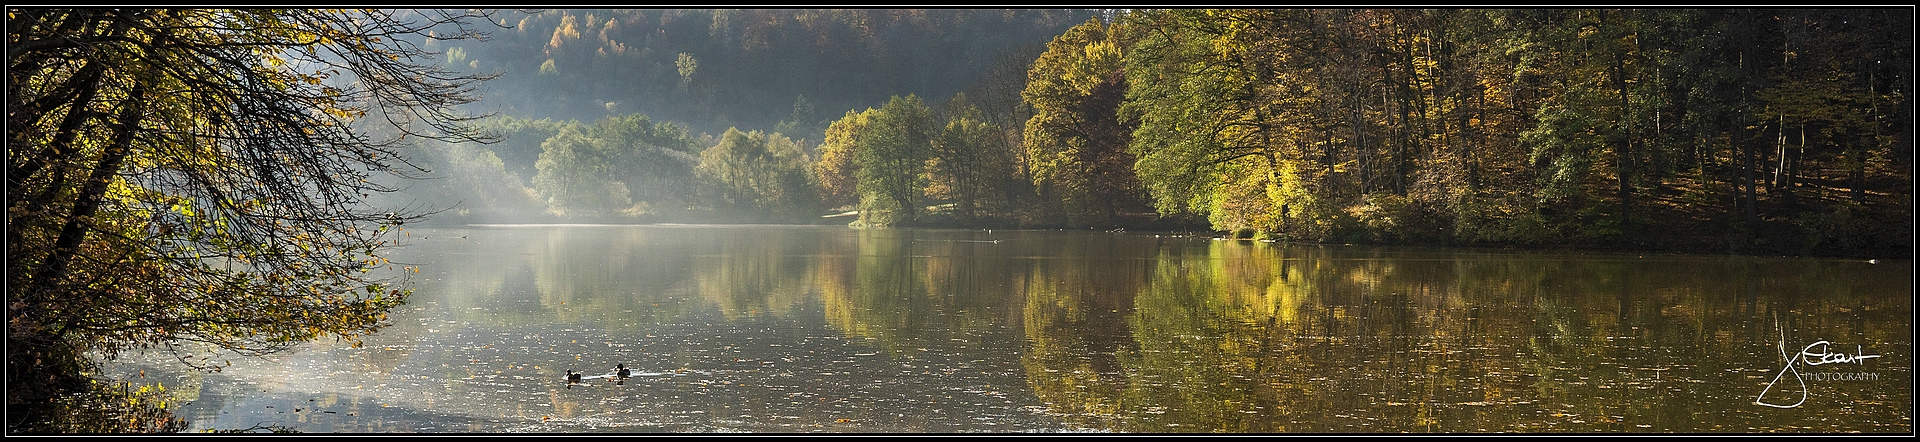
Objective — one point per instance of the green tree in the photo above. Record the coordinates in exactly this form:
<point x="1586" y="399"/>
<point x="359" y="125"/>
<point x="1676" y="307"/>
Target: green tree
<point x="656" y="162"/>
<point x="519" y="147"/>
<point x="1227" y="129"/>
<point x="805" y="122"/>
<point x="759" y="175"/>
<point x="198" y="176"/>
<point x="576" y="175"/>
<point x="969" y="162"/>
<point x="890" y="157"/>
<point x="1588" y="120"/>
<point x="1076" y="144"/>
<point x="469" y="183"/>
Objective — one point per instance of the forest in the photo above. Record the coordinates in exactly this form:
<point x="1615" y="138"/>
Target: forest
<point x="1707" y="130"/>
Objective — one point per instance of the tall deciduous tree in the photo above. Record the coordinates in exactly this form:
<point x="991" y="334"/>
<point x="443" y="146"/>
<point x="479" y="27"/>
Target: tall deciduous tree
<point x="891" y="157"/>
<point x="576" y="175"/>
<point x="760" y="175"/>
<point x="1076" y="144"/>
<point x="836" y="171"/>
<point x="196" y="175"/>
<point x="970" y="162"/>
<point x="1232" y="124"/>
<point x="655" y="160"/>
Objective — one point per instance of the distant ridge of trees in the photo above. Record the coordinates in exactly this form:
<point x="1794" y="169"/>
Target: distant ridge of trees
<point x="712" y="69"/>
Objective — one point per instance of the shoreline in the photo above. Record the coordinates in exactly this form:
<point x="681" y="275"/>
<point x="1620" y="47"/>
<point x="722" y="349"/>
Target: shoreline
<point x="1697" y="245"/>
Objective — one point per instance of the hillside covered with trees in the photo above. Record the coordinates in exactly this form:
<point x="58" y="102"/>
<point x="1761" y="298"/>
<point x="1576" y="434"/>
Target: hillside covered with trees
<point x="1711" y="130"/>
<point x="712" y="69"/>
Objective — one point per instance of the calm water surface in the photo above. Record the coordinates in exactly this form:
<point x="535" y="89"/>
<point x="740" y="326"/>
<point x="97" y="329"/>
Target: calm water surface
<point x="832" y="329"/>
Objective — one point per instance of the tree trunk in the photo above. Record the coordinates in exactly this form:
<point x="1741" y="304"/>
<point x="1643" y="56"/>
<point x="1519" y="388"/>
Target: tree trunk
<point x="1748" y="83"/>
<point x="1623" y="159"/>
<point x="80" y="221"/>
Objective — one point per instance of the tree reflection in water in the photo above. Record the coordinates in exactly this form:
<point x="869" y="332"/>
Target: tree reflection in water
<point x="795" y="328"/>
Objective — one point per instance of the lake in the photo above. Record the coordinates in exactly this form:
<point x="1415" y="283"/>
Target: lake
<point x="832" y="329"/>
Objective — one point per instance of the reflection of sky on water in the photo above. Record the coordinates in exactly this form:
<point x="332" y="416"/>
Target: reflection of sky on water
<point x="757" y="375"/>
<point x="500" y="316"/>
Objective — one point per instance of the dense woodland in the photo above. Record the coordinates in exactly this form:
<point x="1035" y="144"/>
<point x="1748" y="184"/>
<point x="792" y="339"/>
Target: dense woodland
<point x="1722" y="130"/>
<point x="715" y="69"/>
